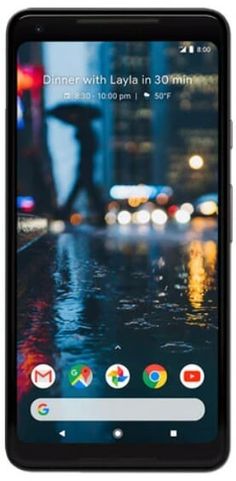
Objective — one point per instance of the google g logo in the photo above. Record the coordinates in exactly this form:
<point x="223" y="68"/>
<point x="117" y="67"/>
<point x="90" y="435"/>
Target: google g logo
<point x="42" y="409"/>
<point x="154" y="376"/>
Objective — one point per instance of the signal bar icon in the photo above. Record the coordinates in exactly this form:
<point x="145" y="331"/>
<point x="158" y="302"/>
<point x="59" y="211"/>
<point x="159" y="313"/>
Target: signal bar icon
<point x="187" y="49"/>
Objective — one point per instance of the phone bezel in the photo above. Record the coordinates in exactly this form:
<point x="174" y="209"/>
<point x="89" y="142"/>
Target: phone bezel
<point x="62" y="25"/>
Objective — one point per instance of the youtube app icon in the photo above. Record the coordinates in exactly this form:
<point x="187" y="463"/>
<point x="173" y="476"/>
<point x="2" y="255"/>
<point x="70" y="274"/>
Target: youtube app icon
<point x="192" y="376"/>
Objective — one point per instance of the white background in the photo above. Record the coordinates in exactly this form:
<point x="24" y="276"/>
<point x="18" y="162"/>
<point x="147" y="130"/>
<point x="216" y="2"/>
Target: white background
<point x="8" y="8"/>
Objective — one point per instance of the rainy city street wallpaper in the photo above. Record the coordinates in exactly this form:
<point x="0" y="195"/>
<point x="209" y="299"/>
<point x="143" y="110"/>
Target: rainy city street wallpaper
<point x="117" y="239"/>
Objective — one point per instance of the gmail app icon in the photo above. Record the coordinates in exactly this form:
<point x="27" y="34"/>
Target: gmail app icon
<point x="43" y="376"/>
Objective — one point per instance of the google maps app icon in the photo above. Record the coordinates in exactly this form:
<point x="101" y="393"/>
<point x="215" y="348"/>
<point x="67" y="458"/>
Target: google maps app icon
<point x="80" y="376"/>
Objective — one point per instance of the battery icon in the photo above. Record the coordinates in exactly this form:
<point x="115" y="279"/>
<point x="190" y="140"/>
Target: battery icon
<point x="191" y="49"/>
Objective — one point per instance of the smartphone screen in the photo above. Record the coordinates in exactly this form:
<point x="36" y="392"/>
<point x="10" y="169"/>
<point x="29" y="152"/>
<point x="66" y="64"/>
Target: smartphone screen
<point x="117" y="229"/>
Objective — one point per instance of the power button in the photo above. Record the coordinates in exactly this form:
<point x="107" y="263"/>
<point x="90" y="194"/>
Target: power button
<point x="231" y="214"/>
<point x="231" y="130"/>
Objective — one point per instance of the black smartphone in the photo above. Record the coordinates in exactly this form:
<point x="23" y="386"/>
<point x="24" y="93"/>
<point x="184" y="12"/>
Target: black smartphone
<point x="118" y="239"/>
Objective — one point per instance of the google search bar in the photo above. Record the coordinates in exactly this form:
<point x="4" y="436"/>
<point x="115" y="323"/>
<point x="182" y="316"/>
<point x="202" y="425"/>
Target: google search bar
<point x="122" y="409"/>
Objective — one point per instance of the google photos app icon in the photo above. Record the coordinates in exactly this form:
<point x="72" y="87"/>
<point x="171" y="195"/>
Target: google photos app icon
<point x="117" y="376"/>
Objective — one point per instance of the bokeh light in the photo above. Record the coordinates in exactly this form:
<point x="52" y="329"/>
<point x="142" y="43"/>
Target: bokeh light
<point x="159" y="217"/>
<point x="124" y="217"/>
<point x="208" y="207"/>
<point x="172" y="210"/>
<point x="134" y="201"/>
<point x="57" y="226"/>
<point x="142" y="216"/>
<point x="110" y="218"/>
<point x="196" y="162"/>
<point x="76" y="218"/>
<point x="182" y="216"/>
<point x="188" y="207"/>
<point x="162" y="198"/>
